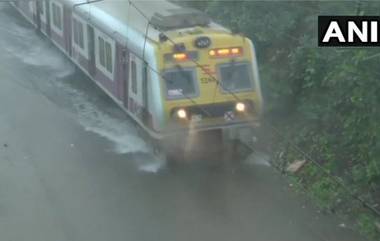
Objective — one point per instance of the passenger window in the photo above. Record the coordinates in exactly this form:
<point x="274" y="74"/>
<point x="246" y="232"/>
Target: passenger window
<point x="108" y="57"/>
<point x="41" y="7"/>
<point x="80" y="41"/>
<point x="105" y="54"/>
<point x="75" y="31"/>
<point x="145" y="72"/>
<point x="134" y="77"/>
<point x="145" y="84"/>
<point x="57" y="16"/>
<point x="78" y="33"/>
<point x="101" y="52"/>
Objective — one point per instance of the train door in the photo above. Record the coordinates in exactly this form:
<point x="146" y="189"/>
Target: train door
<point x="145" y="86"/>
<point x="42" y="16"/>
<point x="48" y="22"/>
<point x="145" y="96"/>
<point x="125" y="70"/>
<point x="91" y="50"/>
<point x="33" y="11"/>
<point x="67" y="28"/>
<point x="135" y="92"/>
<point x="39" y="11"/>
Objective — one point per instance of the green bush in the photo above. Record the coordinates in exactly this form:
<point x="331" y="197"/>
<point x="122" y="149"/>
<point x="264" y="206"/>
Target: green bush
<point x="367" y="226"/>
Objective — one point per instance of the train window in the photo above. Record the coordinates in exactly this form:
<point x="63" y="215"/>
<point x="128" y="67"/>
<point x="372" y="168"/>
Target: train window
<point x="180" y="83"/>
<point x="32" y="7"/>
<point x="235" y="76"/>
<point x="105" y="55"/>
<point x="101" y="52"/>
<point x="78" y="33"/>
<point x="145" y="72"/>
<point x="134" y="77"/>
<point x="75" y="31"/>
<point x="41" y="7"/>
<point x="57" y="16"/>
<point x="108" y="59"/>
<point x="145" y="84"/>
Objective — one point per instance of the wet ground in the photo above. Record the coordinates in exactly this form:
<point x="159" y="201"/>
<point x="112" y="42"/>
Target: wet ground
<point x="72" y="167"/>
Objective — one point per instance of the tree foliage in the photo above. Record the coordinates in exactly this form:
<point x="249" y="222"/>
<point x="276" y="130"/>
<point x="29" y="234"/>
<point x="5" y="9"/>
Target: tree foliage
<point x="326" y="99"/>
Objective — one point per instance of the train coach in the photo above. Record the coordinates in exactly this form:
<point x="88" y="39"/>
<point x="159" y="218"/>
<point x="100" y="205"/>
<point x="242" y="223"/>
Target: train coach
<point x="170" y="68"/>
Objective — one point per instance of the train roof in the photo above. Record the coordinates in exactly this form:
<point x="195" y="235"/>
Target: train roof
<point x="123" y="15"/>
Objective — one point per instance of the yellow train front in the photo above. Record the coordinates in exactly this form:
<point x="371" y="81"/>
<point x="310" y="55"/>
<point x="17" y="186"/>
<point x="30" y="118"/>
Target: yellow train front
<point x="210" y="81"/>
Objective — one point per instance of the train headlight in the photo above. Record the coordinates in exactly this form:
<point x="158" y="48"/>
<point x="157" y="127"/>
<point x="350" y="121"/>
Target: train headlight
<point x="181" y="113"/>
<point x="240" y="107"/>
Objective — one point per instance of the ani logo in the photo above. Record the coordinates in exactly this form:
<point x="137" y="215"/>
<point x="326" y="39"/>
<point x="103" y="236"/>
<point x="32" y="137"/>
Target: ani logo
<point x="348" y="31"/>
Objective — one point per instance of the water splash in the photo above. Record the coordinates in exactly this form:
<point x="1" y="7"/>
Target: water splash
<point x="258" y="158"/>
<point x="153" y="164"/>
<point x="121" y="132"/>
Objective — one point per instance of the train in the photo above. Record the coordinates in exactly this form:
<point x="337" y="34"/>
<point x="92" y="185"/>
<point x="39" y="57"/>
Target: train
<point x="171" y="68"/>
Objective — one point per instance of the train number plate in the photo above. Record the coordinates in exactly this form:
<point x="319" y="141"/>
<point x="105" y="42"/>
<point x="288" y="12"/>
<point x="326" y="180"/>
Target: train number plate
<point x="196" y="118"/>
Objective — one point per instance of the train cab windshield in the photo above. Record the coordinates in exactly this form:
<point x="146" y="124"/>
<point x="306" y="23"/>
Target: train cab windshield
<point x="180" y="83"/>
<point x="236" y="77"/>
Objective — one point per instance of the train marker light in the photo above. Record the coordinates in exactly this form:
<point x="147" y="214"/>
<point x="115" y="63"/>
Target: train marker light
<point x="181" y="113"/>
<point x="226" y="52"/>
<point x="223" y="52"/>
<point x="240" y="107"/>
<point x="180" y="56"/>
<point x="235" y="51"/>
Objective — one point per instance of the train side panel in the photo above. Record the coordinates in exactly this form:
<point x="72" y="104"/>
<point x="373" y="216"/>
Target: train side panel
<point x="103" y="56"/>
<point x="61" y="18"/>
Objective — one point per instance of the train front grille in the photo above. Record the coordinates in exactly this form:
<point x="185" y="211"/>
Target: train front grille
<point x="212" y="110"/>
